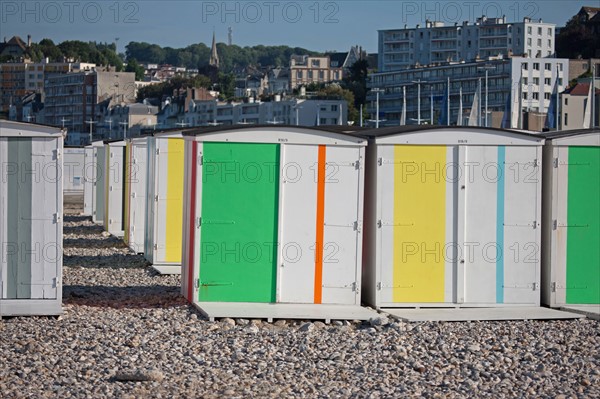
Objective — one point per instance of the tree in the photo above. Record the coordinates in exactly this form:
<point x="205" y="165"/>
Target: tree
<point x="579" y="39"/>
<point x="134" y="66"/>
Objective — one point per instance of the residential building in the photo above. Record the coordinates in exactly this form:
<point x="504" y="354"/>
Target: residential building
<point x="437" y="43"/>
<point x="292" y="111"/>
<point x="15" y="47"/>
<point x="539" y="78"/>
<point x="306" y="69"/>
<point x="346" y="59"/>
<point x="78" y="100"/>
<point x="20" y="78"/>
<point x="574" y="103"/>
<point x="123" y="121"/>
<point x="581" y="66"/>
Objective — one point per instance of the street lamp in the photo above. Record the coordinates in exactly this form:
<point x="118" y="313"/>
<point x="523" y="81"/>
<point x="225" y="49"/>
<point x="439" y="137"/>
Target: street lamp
<point x="418" y="83"/>
<point x="297" y="108"/>
<point x="91" y="123"/>
<point x="124" y="124"/>
<point x="486" y="68"/>
<point x="377" y="90"/>
<point x="63" y="120"/>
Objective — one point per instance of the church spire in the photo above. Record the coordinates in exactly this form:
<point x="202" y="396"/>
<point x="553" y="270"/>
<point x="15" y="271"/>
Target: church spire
<point x="214" y="56"/>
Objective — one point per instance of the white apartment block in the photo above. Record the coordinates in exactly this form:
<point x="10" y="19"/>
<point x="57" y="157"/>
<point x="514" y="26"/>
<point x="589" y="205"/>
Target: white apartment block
<point x="539" y="79"/>
<point x="289" y="112"/>
<point x="487" y="37"/>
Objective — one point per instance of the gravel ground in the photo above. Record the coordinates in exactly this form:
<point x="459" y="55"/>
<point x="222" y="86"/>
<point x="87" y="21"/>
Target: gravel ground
<point x="126" y="333"/>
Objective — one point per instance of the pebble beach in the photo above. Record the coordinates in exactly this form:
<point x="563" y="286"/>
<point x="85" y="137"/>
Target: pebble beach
<point x="127" y="333"/>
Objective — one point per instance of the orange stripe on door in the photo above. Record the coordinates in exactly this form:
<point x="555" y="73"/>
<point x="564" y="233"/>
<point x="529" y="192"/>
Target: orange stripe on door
<point x="320" y="224"/>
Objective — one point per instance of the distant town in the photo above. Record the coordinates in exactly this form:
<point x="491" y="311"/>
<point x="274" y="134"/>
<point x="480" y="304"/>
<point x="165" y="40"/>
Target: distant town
<point x="528" y="75"/>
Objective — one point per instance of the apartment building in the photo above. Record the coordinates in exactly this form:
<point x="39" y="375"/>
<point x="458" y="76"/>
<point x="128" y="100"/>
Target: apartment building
<point x="436" y="42"/>
<point x="76" y="100"/>
<point x="514" y="86"/>
<point x="306" y="69"/>
<point x="20" y="78"/>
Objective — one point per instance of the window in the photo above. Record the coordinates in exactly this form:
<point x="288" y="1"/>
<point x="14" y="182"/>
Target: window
<point x="536" y="96"/>
<point x="310" y="74"/>
<point x="322" y="75"/>
<point x="334" y="107"/>
<point x="316" y="63"/>
<point x="322" y="121"/>
<point x="298" y="74"/>
<point x="539" y="42"/>
<point x="549" y="32"/>
<point x="525" y="81"/>
<point x="560" y="81"/>
<point x="524" y="96"/>
<point x="549" y="43"/>
<point x="529" y="30"/>
<point x="536" y="66"/>
<point x="469" y="43"/>
<point x="548" y="67"/>
<point x="524" y="66"/>
<point x="421" y="34"/>
<point x="547" y="81"/>
<point x="536" y="81"/>
<point x="566" y="101"/>
<point x="566" y="119"/>
<point x="529" y="41"/>
<point x="547" y="96"/>
<point x="540" y="31"/>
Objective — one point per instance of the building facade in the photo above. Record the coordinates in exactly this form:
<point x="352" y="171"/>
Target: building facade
<point x="513" y="84"/>
<point x="305" y="69"/>
<point x="487" y="37"/>
<point x="78" y="100"/>
<point x="20" y="78"/>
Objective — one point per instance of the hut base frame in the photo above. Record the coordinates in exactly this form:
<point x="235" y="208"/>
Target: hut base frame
<point x="28" y="307"/>
<point x="591" y="311"/>
<point x="274" y="311"/>
<point x="481" y="314"/>
<point x="167" y="268"/>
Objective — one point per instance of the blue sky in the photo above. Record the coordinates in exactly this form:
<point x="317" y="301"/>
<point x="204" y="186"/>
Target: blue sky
<point x="316" y="25"/>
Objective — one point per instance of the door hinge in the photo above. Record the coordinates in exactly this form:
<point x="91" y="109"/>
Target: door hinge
<point x="379" y="161"/>
<point x="56" y="218"/>
<point x="58" y="153"/>
<point x="556" y="162"/>
<point x="198" y="222"/>
<point x="357" y="165"/>
<point x="357" y="225"/>
<point x="355" y="287"/>
<point x="155" y="247"/>
<point x="535" y="286"/>
<point x="535" y="224"/>
<point x="156" y="198"/>
<point x="553" y="287"/>
<point x="201" y="160"/>
<point x="379" y="286"/>
<point x="55" y="282"/>
<point x="157" y="151"/>
<point x="535" y="163"/>
<point x="196" y="284"/>
<point x="379" y="224"/>
<point x="554" y="224"/>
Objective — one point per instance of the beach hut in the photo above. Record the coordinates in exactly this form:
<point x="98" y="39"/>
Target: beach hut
<point x="273" y="222"/>
<point x="31" y="209"/>
<point x="164" y="201"/>
<point x="114" y="187"/>
<point x="452" y="217"/>
<point x="90" y="173"/>
<point x="99" y="184"/>
<point x="136" y="153"/>
<point x="73" y="163"/>
<point x="571" y="220"/>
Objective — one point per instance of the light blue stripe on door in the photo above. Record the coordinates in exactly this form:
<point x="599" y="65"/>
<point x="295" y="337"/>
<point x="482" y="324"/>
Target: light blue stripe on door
<point x="500" y="226"/>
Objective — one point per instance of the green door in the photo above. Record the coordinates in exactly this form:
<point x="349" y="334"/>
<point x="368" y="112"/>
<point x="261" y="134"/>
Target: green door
<point x="583" y="219"/>
<point x="240" y="197"/>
